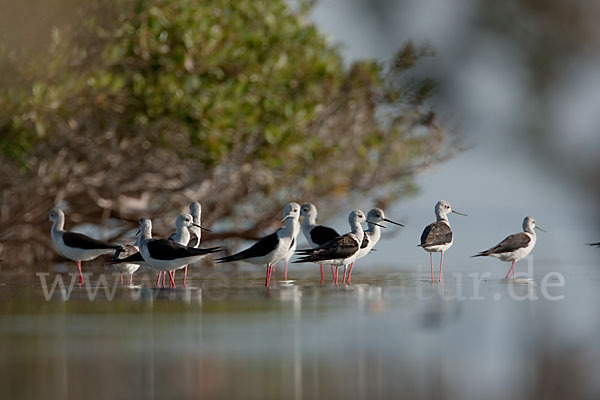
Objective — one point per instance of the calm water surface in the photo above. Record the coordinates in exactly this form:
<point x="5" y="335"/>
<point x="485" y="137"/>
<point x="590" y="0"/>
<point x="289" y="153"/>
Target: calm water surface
<point x="391" y="334"/>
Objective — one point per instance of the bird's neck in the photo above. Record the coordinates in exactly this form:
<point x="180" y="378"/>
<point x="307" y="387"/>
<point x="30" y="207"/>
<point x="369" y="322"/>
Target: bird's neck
<point x="442" y="216"/>
<point x="182" y="236"/>
<point x="375" y="231"/>
<point x="290" y="229"/>
<point x="357" y="230"/>
<point x="529" y="229"/>
<point x="145" y="234"/>
<point x="59" y="224"/>
<point x="196" y="231"/>
<point x="309" y="221"/>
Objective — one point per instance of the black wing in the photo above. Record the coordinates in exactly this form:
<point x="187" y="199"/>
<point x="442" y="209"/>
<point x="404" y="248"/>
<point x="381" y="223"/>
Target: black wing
<point x="259" y="249"/>
<point x="162" y="249"/>
<point x="365" y="241"/>
<point x="511" y="243"/>
<point x="322" y="234"/>
<point x="127" y="254"/>
<point x="80" y="241"/>
<point x="436" y="234"/>
<point x="338" y="248"/>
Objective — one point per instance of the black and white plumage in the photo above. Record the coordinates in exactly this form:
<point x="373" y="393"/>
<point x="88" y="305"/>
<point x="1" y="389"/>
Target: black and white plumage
<point x="371" y="237"/>
<point x="123" y="252"/>
<point x="316" y="235"/>
<point x="515" y="247"/>
<point x="195" y="230"/>
<point x="437" y="237"/>
<point x="76" y="246"/>
<point x="342" y="250"/>
<point x="166" y="255"/>
<point x="373" y="234"/>
<point x="296" y="230"/>
<point x="272" y="248"/>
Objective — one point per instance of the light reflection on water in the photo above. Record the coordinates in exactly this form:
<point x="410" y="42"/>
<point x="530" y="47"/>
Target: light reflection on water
<point x="390" y="333"/>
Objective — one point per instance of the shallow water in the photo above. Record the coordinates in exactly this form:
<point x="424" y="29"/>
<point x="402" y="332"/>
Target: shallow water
<point x="392" y="333"/>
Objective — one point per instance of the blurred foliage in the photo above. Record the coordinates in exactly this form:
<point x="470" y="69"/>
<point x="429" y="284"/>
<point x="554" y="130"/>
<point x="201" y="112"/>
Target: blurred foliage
<point x="140" y="106"/>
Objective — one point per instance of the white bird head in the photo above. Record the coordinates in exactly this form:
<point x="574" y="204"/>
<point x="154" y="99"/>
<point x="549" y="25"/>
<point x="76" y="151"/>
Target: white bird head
<point x="357" y="216"/>
<point x="377" y="215"/>
<point x="308" y="210"/>
<point x="196" y="211"/>
<point x="442" y="208"/>
<point x="291" y="210"/>
<point x="145" y="227"/>
<point x="187" y="221"/>
<point x="529" y="224"/>
<point x="56" y="214"/>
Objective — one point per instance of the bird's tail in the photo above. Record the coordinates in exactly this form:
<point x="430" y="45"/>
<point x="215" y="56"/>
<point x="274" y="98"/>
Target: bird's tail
<point x="231" y="258"/>
<point x="209" y="250"/>
<point x="482" y="253"/>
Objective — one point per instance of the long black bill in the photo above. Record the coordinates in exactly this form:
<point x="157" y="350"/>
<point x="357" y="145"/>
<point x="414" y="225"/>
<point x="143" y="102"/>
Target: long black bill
<point x="392" y="222"/>
<point x="375" y="223"/>
<point x="201" y="227"/>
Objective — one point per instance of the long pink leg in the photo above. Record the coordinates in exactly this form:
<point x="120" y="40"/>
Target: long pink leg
<point x="268" y="277"/>
<point x="121" y="279"/>
<point x="350" y="272"/>
<point x="164" y="274"/>
<point x="332" y="274"/>
<point x="171" y="278"/>
<point x="322" y="276"/>
<point x="185" y="276"/>
<point x="431" y="263"/>
<point x="131" y="279"/>
<point x="512" y="267"/>
<point x="336" y="273"/>
<point x="158" y="279"/>
<point x="80" y="274"/>
<point x="441" y="262"/>
<point x="344" y="278"/>
<point x="285" y="272"/>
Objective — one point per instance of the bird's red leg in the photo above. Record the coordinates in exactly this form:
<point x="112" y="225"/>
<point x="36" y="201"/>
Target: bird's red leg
<point x="350" y="272"/>
<point x="185" y="276"/>
<point x="268" y="277"/>
<point x="121" y="279"/>
<point x="511" y="268"/>
<point x="80" y="273"/>
<point x="441" y="262"/>
<point x="131" y="279"/>
<point x="431" y="263"/>
<point x="285" y="272"/>
<point x="163" y="278"/>
<point x="344" y="278"/>
<point x="332" y="274"/>
<point x="337" y="267"/>
<point x="171" y="278"/>
<point x="158" y="279"/>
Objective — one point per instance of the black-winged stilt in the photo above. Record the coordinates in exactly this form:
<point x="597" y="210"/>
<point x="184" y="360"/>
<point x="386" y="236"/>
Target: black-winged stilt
<point x="167" y="255"/>
<point x="515" y="247"/>
<point x="437" y="236"/>
<point x="372" y="236"/>
<point x="341" y="250"/>
<point x="316" y="235"/>
<point x="272" y="248"/>
<point x="76" y="246"/>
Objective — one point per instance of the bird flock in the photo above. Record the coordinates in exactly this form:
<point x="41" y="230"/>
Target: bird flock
<point x="327" y="246"/>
